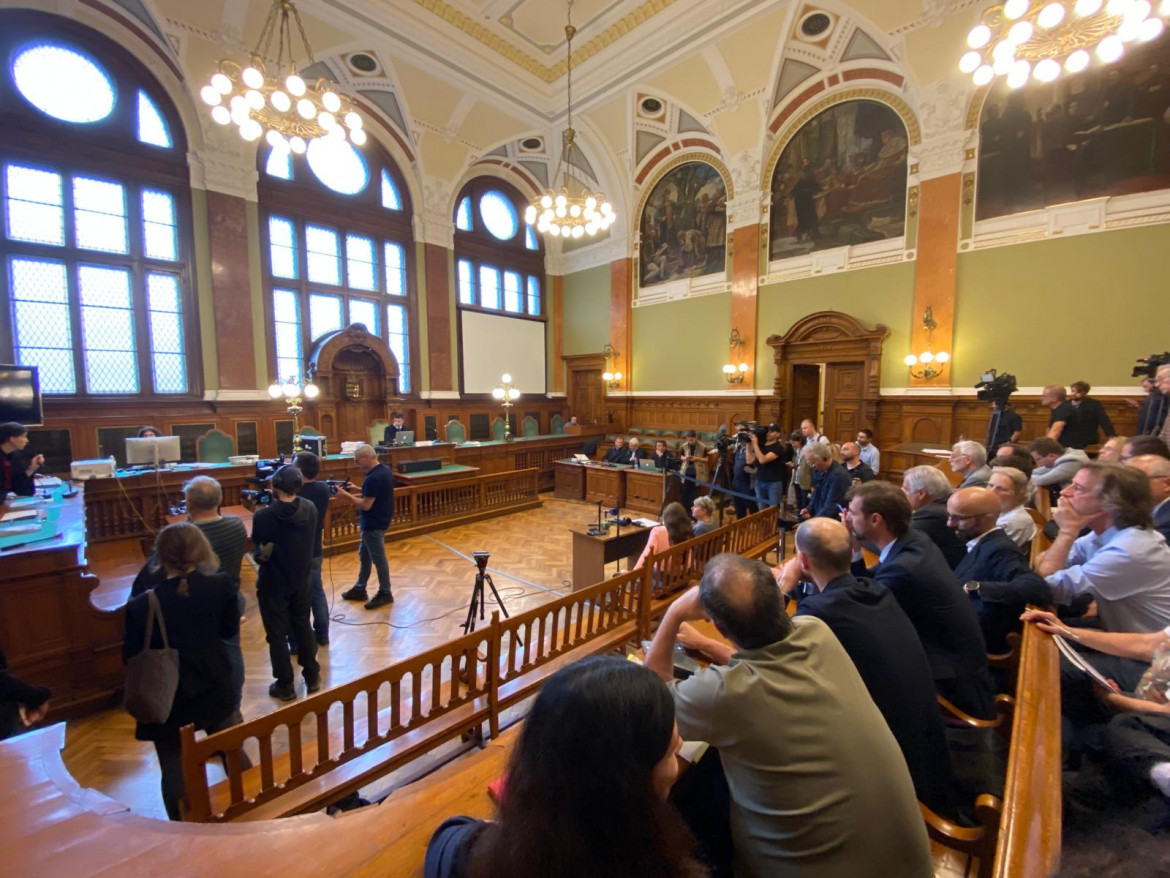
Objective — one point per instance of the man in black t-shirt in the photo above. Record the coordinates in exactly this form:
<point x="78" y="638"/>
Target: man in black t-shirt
<point x="376" y="505"/>
<point x="1055" y="398"/>
<point x="771" y="463"/>
<point x="1090" y="421"/>
<point x="316" y="493"/>
<point x="1007" y="424"/>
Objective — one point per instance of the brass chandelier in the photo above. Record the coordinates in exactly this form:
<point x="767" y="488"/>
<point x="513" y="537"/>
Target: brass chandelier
<point x="556" y="212"/>
<point x="279" y="105"/>
<point x="1026" y="40"/>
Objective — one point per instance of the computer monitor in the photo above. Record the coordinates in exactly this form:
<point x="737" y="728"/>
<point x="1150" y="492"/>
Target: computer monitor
<point x="20" y="395"/>
<point x="404" y="437"/>
<point x="153" y="450"/>
<point x="648" y="463"/>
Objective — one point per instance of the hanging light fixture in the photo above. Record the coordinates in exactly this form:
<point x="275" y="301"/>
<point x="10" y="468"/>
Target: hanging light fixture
<point x="932" y="363"/>
<point x="556" y="212"/>
<point x="1038" y="40"/>
<point x="279" y="105"/>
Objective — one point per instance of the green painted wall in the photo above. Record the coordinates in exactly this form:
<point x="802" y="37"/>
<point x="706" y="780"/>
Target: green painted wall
<point x="1063" y="310"/>
<point x="682" y="345"/>
<point x="202" y="273"/>
<point x="873" y="295"/>
<point x="587" y="311"/>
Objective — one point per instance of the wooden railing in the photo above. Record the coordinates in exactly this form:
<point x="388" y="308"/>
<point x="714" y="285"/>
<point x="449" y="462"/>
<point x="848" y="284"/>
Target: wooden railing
<point x="431" y="698"/>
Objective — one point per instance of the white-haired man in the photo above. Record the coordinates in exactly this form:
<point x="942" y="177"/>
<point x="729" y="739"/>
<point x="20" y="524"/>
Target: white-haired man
<point x="969" y="459"/>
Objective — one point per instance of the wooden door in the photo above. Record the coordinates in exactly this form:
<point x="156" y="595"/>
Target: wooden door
<point x="844" y="399"/>
<point x="806" y="396"/>
<point x="586" y="395"/>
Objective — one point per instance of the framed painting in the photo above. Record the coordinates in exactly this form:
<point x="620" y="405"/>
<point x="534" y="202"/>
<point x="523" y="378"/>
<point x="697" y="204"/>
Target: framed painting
<point x="684" y="225"/>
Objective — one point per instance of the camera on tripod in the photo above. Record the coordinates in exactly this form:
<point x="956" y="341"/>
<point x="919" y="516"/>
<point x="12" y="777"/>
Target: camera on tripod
<point x="1147" y="367"/>
<point x="261" y="495"/>
<point x="481" y="560"/>
<point x="996" y="388"/>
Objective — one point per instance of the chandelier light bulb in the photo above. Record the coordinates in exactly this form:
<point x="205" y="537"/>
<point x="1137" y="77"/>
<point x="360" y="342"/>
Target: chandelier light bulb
<point x="1004" y="51"/>
<point x="561" y="201"/>
<point x="221" y="84"/>
<point x="239" y="113"/>
<point x="970" y="61"/>
<point x="979" y="37"/>
<point x="607" y="209"/>
<point x="1110" y="49"/>
<point x="1050" y="16"/>
<point x="290" y="388"/>
<point x="274" y="390"/>
<point x="514" y="394"/>
<point x="358" y="136"/>
<point x="1117" y="7"/>
<point x="335" y="132"/>
<point x="561" y="212"/>
<point x="1047" y="70"/>
<point x="1130" y="30"/>
<point x="1164" y="9"/>
<point x="506" y="377"/>
<point x="1137" y="11"/>
<point x="255" y="99"/>
<point x="220" y="115"/>
<point x="1021" y="32"/>
<point x="1018" y="75"/>
<point x="326" y="120"/>
<point x="311" y="391"/>
<point x="546" y="201"/>
<point x="280" y="101"/>
<point x="575" y="211"/>
<point x="591" y="228"/>
<point x="252" y="77"/>
<point x="1002" y="66"/>
<point x="498" y="393"/>
<point x="530" y="215"/>
<point x="728" y="369"/>
<point x="743" y="367"/>
<point x="942" y="357"/>
<point x="210" y="96"/>
<point x="295" y="85"/>
<point x="331" y="101"/>
<point x="251" y="130"/>
<point x="1013" y="9"/>
<point x="1077" y="61"/>
<point x="353" y="121"/>
<point x="276" y="140"/>
<point x="306" y="109"/>
<point x="910" y="360"/>
<point x="926" y="357"/>
<point x="578" y="231"/>
<point x="1085" y="8"/>
<point x="297" y="144"/>
<point x="591" y="203"/>
<point x="1151" y="29"/>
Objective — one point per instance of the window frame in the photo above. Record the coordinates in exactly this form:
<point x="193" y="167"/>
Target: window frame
<point x="483" y="250"/>
<point x="107" y="150"/>
<point x="361" y="214"/>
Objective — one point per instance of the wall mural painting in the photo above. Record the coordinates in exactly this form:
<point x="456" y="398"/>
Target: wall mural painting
<point x="684" y="225"/>
<point x="841" y="180"/>
<point x="1102" y="132"/>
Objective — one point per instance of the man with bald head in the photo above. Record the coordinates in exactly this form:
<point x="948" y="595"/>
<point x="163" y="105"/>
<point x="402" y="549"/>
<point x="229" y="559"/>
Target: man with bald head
<point x="375" y="506"/>
<point x="859" y="471"/>
<point x="817" y="782"/>
<point x="881" y="640"/>
<point x="994" y="572"/>
<point x="1157" y="470"/>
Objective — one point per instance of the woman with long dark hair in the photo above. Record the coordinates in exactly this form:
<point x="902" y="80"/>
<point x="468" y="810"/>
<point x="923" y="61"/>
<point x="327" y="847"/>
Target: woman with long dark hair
<point x="586" y="787"/>
<point x="200" y="612"/>
<point x="676" y="528"/>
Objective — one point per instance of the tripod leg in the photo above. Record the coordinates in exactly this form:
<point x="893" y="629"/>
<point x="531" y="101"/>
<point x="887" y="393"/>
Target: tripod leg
<point x="476" y="601"/>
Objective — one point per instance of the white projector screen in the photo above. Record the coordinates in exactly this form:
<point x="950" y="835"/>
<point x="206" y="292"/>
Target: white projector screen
<point x="491" y="345"/>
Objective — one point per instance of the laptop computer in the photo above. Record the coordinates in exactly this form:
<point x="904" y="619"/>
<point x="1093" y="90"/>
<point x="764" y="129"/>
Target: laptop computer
<point x="404" y="437"/>
<point x="647" y="464"/>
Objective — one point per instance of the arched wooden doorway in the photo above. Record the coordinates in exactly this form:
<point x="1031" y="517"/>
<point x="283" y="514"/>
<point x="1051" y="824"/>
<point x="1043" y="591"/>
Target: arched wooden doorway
<point x="843" y="359"/>
<point x="358" y="377"/>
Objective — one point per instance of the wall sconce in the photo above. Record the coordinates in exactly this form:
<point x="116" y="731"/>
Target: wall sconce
<point x="927" y="359"/>
<point x="611" y="377"/>
<point x="733" y="373"/>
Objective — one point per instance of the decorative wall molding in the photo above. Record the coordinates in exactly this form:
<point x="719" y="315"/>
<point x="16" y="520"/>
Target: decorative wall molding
<point x="594" y="256"/>
<point x="819" y="262"/>
<point x="1067" y="220"/>
<point x="219" y="168"/>
<point x="746" y="209"/>
<point x="440" y="394"/>
<point x="686" y="288"/>
<point x="236" y="396"/>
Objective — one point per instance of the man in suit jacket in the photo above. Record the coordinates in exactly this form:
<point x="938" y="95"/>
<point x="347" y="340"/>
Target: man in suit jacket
<point x="831" y="482"/>
<point x="884" y="646"/>
<point x="969" y="459"/>
<point x="1157" y="469"/>
<point x="994" y="572"/>
<point x="927" y="489"/>
<point x="913" y="568"/>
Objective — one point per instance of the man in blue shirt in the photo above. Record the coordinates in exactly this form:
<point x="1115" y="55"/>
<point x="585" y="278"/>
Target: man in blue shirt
<point x="870" y="455"/>
<point x="376" y="506"/>
<point x="831" y="482"/>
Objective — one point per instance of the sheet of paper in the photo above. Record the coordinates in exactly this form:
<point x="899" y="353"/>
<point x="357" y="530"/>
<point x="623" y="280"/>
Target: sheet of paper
<point x="1078" y="661"/>
<point x="18" y="515"/>
<point x="645" y="522"/>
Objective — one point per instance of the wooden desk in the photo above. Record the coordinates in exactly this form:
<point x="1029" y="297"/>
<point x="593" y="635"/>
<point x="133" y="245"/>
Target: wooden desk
<point x="896" y="460"/>
<point x="591" y="554"/>
<point x="646" y="490"/>
<point x="569" y="480"/>
<point x="443" y="474"/>
<point x="606" y="485"/>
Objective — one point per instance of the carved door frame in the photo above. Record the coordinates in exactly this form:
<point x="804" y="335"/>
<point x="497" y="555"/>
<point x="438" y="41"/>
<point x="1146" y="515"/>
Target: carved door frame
<point x="827" y="337"/>
<point x="325" y="409"/>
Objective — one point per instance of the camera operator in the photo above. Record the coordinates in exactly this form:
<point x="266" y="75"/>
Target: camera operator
<point x="376" y="507"/>
<point x="282" y="532"/>
<point x="318" y="494"/>
<point x="1008" y="424"/>
<point x="741" y="476"/>
<point x="18" y="468"/>
<point x="771" y="466"/>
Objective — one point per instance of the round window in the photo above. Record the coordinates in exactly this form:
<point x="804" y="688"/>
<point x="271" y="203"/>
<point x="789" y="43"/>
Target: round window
<point x="63" y="83"/>
<point x="499" y="215"/>
<point x="338" y="165"/>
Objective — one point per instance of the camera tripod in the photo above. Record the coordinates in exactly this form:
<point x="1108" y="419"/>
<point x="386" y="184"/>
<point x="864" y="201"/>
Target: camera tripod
<point x="478" y="598"/>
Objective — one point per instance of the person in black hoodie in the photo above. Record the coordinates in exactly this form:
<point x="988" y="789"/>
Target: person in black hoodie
<point x="282" y="533"/>
<point x="199" y="610"/>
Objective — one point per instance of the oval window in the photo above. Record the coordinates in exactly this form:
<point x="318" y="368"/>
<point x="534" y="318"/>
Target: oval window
<point x="63" y="83"/>
<point x="338" y="165"/>
<point x="498" y="215"/>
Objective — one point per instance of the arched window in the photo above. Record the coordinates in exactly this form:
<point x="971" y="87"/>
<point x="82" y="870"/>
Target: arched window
<point x="95" y="237"/>
<point x="499" y="260"/>
<point x="337" y="235"/>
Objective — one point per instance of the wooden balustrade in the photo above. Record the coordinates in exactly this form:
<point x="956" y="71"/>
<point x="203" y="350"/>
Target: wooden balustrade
<point x="432" y="697"/>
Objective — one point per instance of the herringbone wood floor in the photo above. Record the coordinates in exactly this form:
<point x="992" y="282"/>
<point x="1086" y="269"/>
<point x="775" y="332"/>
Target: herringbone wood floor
<point x="531" y="563"/>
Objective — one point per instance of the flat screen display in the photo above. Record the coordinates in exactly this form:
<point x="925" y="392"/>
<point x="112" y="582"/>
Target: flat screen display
<point x="20" y="395"/>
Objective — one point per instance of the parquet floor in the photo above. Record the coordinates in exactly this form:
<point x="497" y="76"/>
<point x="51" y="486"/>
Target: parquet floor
<point x="432" y="578"/>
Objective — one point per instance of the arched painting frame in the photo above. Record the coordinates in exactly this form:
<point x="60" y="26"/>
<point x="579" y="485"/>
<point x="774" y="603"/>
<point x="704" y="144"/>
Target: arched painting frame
<point x="682" y="224"/>
<point x="840" y="179"/>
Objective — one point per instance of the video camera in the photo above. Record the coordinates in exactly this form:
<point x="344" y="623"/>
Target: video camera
<point x="481" y="560"/>
<point x="996" y="388"/>
<point x="336" y="485"/>
<point x="1147" y="367"/>
<point x="261" y="495"/>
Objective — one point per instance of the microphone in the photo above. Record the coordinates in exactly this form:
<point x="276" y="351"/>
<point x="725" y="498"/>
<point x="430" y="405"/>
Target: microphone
<point x="613" y="511"/>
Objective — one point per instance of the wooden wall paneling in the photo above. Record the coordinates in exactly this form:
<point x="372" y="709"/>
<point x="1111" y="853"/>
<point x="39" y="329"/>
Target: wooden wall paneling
<point x="844" y="401"/>
<point x="188" y="435"/>
<point x="247" y="441"/>
<point x="284" y="436"/>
